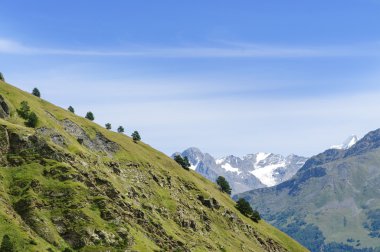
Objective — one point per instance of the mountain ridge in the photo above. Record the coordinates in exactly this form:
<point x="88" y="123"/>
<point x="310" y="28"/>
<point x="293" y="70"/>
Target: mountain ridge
<point x="332" y="202"/>
<point x="245" y="173"/>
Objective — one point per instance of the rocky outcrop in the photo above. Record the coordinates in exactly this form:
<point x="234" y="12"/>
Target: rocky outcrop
<point x="54" y="136"/>
<point x="99" y="143"/>
<point x="4" y="109"/>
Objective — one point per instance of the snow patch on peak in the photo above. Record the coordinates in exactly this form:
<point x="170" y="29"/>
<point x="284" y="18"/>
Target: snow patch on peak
<point x="229" y="168"/>
<point x="261" y="156"/>
<point x="220" y="160"/>
<point x="265" y="174"/>
<point x="348" y="143"/>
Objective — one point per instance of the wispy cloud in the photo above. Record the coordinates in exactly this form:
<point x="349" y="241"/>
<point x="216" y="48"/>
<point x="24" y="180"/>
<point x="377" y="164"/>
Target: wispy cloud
<point x="221" y="50"/>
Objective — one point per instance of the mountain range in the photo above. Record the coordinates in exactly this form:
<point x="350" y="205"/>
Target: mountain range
<point x="332" y="203"/>
<point x="249" y="172"/>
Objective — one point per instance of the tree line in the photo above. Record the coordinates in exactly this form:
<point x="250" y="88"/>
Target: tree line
<point x="31" y="118"/>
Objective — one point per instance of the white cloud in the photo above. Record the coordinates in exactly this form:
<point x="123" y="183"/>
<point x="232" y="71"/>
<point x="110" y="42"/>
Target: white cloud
<point x="221" y="50"/>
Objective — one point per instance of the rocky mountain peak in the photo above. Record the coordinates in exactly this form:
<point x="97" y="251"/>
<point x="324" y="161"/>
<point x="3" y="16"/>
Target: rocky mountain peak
<point x="348" y="143"/>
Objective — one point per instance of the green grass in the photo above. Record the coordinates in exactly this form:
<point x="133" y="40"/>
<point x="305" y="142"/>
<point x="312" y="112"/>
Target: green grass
<point x="74" y="189"/>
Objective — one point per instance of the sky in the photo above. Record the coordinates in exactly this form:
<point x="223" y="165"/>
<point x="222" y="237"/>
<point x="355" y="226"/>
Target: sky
<point x="228" y="77"/>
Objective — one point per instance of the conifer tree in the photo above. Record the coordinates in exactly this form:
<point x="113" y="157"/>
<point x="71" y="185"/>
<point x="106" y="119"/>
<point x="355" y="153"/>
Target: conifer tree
<point x="223" y="185"/>
<point x="245" y="208"/>
<point x="1" y="77"/>
<point x="71" y="109"/>
<point x="136" y="136"/>
<point x="24" y="110"/>
<point x="120" y="129"/>
<point x="36" y="92"/>
<point x="32" y="120"/>
<point x="90" y="116"/>
<point x="108" y="126"/>
<point x="6" y="244"/>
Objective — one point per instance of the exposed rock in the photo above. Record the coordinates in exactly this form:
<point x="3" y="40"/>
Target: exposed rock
<point x="4" y="109"/>
<point x="4" y="144"/>
<point x="99" y="143"/>
<point x="210" y="203"/>
<point x="53" y="135"/>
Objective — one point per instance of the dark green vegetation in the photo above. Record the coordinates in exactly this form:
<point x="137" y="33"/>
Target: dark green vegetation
<point x="183" y="162"/>
<point x="1" y="77"/>
<point x="136" y="137"/>
<point x="36" y="92"/>
<point x="333" y="202"/>
<point x="120" y="129"/>
<point x="223" y="185"/>
<point x="6" y="244"/>
<point x="71" y="109"/>
<point x="108" y="126"/>
<point x="245" y="208"/>
<point x="72" y="185"/>
<point x="90" y="116"/>
<point x="25" y="113"/>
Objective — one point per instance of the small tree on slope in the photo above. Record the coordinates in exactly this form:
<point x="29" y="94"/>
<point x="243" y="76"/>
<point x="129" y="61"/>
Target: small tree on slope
<point x="223" y="185"/>
<point x="36" y="92"/>
<point x="245" y="208"/>
<point x="90" y="116"/>
<point x="6" y="244"/>
<point x="136" y="136"/>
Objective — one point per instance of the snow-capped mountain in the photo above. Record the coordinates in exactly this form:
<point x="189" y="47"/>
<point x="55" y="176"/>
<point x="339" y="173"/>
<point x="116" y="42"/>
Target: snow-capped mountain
<point x="348" y="143"/>
<point x="249" y="172"/>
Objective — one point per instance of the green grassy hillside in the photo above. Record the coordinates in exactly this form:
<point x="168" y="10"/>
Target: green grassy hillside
<point x="71" y="184"/>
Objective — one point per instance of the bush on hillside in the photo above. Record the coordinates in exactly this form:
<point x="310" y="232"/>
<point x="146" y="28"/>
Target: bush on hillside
<point x="36" y="92"/>
<point x="108" y="126"/>
<point x="6" y="244"/>
<point x="245" y="208"/>
<point x="30" y="117"/>
<point x="24" y="110"/>
<point x="32" y="120"/>
<point x="120" y="129"/>
<point x="1" y="77"/>
<point x="90" y="116"/>
<point x="136" y="136"/>
<point x="183" y="162"/>
<point x="223" y="185"/>
<point x="71" y="109"/>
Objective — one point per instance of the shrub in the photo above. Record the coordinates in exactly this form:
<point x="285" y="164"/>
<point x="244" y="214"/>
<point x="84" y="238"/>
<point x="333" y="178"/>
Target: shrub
<point x="183" y="162"/>
<point x="90" y="116"/>
<point x="71" y="109"/>
<point x="245" y="208"/>
<point x="1" y="77"/>
<point x="36" y="92"/>
<point x="136" y="136"/>
<point x="108" y="126"/>
<point x="223" y="185"/>
<point x="6" y="244"/>
<point x="24" y="110"/>
<point x="32" y="120"/>
<point x="120" y="129"/>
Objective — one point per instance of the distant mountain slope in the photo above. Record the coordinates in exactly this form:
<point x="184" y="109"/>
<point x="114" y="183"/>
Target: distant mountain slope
<point x="69" y="183"/>
<point x="247" y="173"/>
<point x="333" y="202"/>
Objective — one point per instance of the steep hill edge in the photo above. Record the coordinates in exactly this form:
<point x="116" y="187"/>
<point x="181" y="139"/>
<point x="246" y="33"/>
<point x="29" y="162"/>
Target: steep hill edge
<point x="70" y="183"/>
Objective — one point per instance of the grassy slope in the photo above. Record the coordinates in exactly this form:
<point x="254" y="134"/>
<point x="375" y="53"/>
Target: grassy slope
<point x="222" y="235"/>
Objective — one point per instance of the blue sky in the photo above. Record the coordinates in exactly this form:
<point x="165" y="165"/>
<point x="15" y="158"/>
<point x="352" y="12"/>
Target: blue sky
<point x="230" y="77"/>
